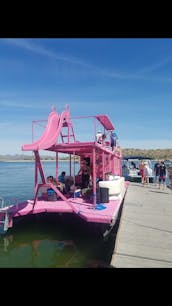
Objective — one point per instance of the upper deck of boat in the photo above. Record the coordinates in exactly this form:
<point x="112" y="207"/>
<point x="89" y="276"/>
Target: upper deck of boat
<point x="81" y="147"/>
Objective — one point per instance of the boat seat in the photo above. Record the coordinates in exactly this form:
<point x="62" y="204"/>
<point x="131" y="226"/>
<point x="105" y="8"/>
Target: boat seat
<point x="115" y="186"/>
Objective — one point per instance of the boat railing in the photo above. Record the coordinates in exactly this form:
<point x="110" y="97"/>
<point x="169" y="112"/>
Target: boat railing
<point x="57" y="191"/>
<point x="14" y="202"/>
<point x="4" y="217"/>
<point x="8" y="204"/>
<point x="2" y="203"/>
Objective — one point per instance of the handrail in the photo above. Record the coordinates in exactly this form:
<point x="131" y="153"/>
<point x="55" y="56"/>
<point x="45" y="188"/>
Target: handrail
<point x="1" y="203"/>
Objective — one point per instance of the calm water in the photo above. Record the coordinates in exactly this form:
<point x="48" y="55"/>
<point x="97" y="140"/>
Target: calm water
<point x="17" y="179"/>
<point x="47" y="240"/>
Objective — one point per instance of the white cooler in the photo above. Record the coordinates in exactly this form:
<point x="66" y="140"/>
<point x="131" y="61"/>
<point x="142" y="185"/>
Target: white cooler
<point x="115" y="186"/>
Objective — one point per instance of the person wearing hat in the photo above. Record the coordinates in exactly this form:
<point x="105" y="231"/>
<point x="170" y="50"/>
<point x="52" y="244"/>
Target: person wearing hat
<point x="99" y="137"/>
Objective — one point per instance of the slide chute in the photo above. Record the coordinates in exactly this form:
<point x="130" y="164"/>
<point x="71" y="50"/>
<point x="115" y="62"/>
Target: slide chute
<point x="50" y="134"/>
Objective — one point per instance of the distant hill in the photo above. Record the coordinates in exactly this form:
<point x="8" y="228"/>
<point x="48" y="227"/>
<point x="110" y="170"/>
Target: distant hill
<point x="22" y="157"/>
<point x="155" y="154"/>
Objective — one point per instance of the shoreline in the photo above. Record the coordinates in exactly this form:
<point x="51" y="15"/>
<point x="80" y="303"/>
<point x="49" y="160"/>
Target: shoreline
<point x="31" y="161"/>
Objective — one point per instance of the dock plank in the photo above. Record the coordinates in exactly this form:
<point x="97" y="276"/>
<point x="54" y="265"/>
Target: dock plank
<point x="144" y="236"/>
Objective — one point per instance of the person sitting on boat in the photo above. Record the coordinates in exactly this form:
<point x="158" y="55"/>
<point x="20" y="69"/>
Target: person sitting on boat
<point x="68" y="183"/>
<point x="118" y="151"/>
<point x="50" y="192"/>
<point x="99" y="137"/>
<point x="51" y="179"/>
<point x="133" y="165"/>
<point x="60" y="186"/>
<point x="61" y="177"/>
<point x="62" y="182"/>
<point x="75" y="190"/>
<point x="85" y="173"/>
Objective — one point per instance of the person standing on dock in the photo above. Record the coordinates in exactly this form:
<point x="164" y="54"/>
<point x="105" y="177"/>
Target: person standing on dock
<point x="145" y="174"/>
<point x="141" y="169"/>
<point x="162" y="174"/>
<point x="156" y="171"/>
<point x="125" y="172"/>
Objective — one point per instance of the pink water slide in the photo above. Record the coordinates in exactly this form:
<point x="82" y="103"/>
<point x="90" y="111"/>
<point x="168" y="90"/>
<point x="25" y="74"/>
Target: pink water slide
<point x="50" y="134"/>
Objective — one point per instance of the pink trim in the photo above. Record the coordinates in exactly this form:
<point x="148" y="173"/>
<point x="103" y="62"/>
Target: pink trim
<point x="105" y="121"/>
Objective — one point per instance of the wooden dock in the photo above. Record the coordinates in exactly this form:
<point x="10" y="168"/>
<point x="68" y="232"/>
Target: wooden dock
<point x="144" y="238"/>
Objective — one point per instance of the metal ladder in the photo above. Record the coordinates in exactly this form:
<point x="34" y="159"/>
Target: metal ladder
<point x="5" y="215"/>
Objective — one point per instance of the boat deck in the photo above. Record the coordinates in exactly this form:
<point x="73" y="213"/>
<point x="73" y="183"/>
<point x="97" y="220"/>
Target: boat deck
<point x="101" y="213"/>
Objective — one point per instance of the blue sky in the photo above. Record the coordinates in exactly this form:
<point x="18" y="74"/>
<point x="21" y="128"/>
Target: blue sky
<point x="130" y="80"/>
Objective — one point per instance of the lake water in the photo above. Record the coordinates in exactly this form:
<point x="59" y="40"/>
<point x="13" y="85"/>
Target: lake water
<point x="47" y="240"/>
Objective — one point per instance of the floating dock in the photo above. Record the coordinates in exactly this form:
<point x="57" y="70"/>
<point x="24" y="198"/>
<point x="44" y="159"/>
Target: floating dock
<point x="144" y="238"/>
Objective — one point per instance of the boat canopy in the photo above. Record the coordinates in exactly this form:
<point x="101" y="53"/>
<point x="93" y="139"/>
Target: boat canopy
<point x="105" y="121"/>
<point x="136" y="157"/>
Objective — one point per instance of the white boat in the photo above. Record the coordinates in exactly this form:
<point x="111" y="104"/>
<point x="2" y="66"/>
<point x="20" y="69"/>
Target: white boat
<point x="130" y="168"/>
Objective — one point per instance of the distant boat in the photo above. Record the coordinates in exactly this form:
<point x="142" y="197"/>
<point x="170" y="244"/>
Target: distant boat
<point x="167" y="162"/>
<point x="130" y="168"/>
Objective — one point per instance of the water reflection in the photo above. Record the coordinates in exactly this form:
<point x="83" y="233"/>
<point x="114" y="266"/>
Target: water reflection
<point x="49" y="242"/>
<point x="44" y="241"/>
<point x="37" y="253"/>
<point x="52" y="251"/>
<point x="7" y="241"/>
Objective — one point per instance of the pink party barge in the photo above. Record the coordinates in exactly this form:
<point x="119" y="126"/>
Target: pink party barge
<point x="94" y="193"/>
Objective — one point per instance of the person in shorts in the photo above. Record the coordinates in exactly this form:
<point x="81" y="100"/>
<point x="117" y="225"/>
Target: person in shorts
<point x="162" y="175"/>
<point x="156" y="171"/>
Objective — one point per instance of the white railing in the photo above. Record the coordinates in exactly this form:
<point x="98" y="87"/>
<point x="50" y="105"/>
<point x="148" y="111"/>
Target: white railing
<point x="9" y="203"/>
<point x="1" y="203"/>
